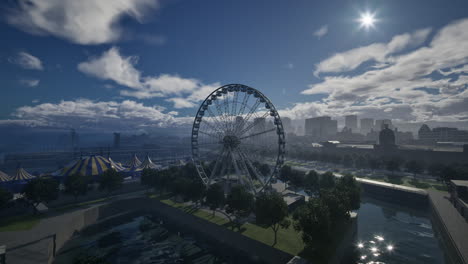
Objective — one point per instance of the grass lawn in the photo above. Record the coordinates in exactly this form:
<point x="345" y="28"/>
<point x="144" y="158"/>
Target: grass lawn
<point x="19" y="223"/>
<point x="288" y="239"/>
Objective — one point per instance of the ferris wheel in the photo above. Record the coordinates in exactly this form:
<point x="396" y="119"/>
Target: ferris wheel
<point x="238" y="138"/>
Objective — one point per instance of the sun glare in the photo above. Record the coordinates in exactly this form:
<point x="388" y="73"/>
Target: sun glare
<point x="367" y="20"/>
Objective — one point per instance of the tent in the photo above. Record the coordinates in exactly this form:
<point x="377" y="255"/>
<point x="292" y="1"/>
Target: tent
<point x="4" y="178"/>
<point x="88" y="166"/>
<point x="135" y="162"/>
<point x="21" y="178"/>
<point x="134" y="168"/>
<point x="22" y="175"/>
<point x="116" y="166"/>
<point x="148" y="164"/>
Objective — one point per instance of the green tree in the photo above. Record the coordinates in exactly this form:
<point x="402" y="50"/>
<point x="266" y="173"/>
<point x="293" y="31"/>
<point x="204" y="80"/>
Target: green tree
<point x="311" y="181"/>
<point x="347" y="160"/>
<point x="196" y="190"/>
<point x="272" y="211"/>
<point x="448" y="173"/>
<point x="76" y="185"/>
<point x="435" y="169"/>
<point x="375" y="163"/>
<point x="41" y="189"/>
<point x="285" y="174"/>
<point x="415" y="167"/>
<point x="180" y="187"/>
<point x="313" y="221"/>
<point x="215" y="197"/>
<point x="239" y="203"/>
<point x="361" y="162"/>
<point x="296" y="178"/>
<point x="327" y="180"/>
<point x="264" y="169"/>
<point x="393" y="165"/>
<point x="110" y="181"/>
<point x="148" y="178"/>
<point x="349" y="188"/>
<point x="5" y="197"/>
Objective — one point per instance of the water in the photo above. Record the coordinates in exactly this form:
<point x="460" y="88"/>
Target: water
<point x="141" y="240"/>
<point x="396" y="234"/>
<point x="381" y="226"/>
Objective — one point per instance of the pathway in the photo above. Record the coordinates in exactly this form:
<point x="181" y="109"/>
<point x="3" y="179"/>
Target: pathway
<point x="455" y="225"/>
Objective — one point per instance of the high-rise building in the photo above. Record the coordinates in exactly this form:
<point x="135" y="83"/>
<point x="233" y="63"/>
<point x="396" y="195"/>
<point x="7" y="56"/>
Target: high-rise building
<point x="351" y="122"/>
<point x="259" y="125"/>
<point x="366" y="125"/>
<point x="287" y="125"/>
<point x="321" y="128"/>
<point x="380" y="124"/>
<point x="239" y="124"/>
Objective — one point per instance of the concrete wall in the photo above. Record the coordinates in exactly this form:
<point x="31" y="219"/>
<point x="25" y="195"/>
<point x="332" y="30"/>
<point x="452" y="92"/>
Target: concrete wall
<point x="395" y="195"/>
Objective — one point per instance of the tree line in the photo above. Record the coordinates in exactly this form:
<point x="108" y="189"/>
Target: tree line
<point x="45" y="189"/>
<point x="444" y="172"/>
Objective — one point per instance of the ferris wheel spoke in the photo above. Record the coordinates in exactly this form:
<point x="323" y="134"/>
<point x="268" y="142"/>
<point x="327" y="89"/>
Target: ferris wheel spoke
<point x="258" y="134"/>
<point x="218" y="162"/>
<point x="216" y="120"/>
<point x="226" y="109"/>
<point x="258" y="175"/>
<point x="244" y="104"/>
<point x="250" y="126"/>
<point x="234" y="103"/>
<point x="221" y="115"/>
<point x="252" y="110"/>
<point x="209" y="134"/>
<point x="243" y="162"/>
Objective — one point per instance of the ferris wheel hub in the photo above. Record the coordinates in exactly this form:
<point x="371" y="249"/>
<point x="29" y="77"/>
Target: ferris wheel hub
<point x="231" y="142"/>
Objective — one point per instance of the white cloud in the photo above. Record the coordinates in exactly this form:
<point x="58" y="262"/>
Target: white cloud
<point x="85" y="113"/>
<point x="30" y="82"/>
<point x="111" y="65"/>
<point x="408" y="88"/>
<point x="27" y="61"/>
<point x="379" y="52"/>
<point x="83" y="21"/>
<point x="322" y="31"/>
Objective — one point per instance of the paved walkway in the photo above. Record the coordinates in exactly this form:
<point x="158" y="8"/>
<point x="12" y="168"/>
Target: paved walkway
<point x="452" y="221"/>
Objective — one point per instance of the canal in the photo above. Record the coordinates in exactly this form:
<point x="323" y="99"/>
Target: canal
<point x="391" y="233"/>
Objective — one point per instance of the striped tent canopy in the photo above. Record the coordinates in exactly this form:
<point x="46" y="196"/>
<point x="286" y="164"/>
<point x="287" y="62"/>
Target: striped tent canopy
<point x="22" y="175"/>
<point x="4" y="177"/>
<point x="135" y="162"/>
<point x="116" y="166"/>
<point x="148" y="164"/>
<point x="88" y="166"/>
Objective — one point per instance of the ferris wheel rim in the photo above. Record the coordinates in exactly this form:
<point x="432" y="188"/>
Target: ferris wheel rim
<point x="226" y="89"/>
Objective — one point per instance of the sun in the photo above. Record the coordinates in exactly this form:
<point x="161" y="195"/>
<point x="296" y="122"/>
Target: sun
<point x="367" y="20"/>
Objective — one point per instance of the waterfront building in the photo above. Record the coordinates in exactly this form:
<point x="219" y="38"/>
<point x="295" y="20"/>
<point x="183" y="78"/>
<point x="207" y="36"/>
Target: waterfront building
<point x="351" y="122"/>
<point x="321" y="128"/>
<point x="459" y="196"/>
<point x="441" y="134"/>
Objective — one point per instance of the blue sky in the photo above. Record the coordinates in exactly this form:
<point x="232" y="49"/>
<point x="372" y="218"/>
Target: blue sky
<point x="149" y="62"/>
